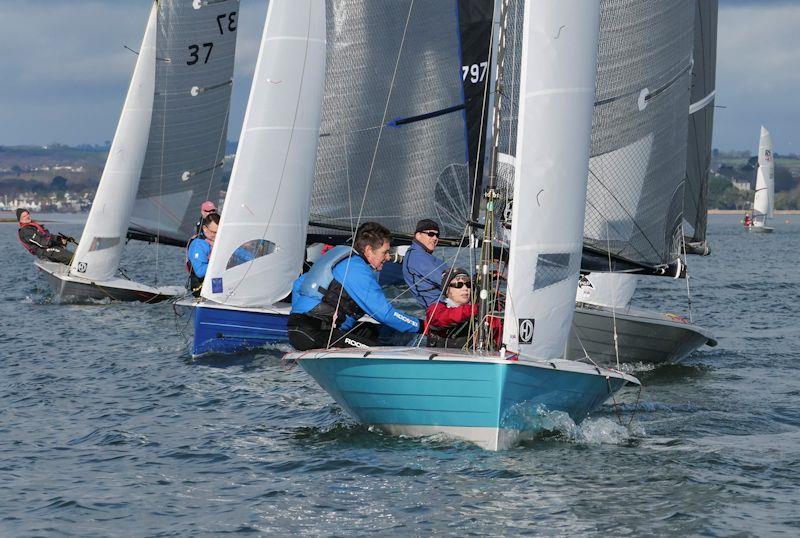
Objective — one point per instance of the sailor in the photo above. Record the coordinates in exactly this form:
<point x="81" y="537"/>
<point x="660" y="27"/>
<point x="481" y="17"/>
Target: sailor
<point x="40" y="242"/>
<point x="206" y="208"/>
<point x="448" y="321"/>
<point x="199" y="252"/>
<point x="421" y="269"/>
<point x="340" y="288"/>
<point x="747" y="220"/>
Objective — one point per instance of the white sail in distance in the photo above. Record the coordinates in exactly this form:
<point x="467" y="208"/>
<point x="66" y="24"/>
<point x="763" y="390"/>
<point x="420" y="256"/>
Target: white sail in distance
<point x="558" y="76"/>
<point x="100" y="249"/>
<point x="764" y="201"/>
<point x="259" y="249"/>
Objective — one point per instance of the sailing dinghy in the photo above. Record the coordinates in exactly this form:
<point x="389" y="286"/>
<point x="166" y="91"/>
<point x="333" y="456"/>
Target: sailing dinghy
<point x="167" y="153"/>
<point x="626" y="181"/>
<point x="764" y="200"/>
<point x="432" y="118"/>
<point x="260" y="244"/>
<point x="495" y="397"/>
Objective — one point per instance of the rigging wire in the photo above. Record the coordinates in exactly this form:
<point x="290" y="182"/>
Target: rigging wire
<point x="372" y="164"/>
<point x="613" y="300"/>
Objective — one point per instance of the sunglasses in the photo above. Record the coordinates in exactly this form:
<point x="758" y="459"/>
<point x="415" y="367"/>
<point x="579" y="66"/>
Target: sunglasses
<point x="459" y="285"/>
<point x="431" y="234"/>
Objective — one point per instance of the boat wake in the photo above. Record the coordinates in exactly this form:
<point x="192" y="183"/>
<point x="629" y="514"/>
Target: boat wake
<point x="559" y="426"/>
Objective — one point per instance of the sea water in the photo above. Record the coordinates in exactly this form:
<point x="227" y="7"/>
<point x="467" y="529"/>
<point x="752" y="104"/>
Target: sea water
<point x="108" y="428"/>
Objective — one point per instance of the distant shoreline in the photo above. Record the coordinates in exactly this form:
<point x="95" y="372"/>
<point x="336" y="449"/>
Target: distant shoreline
<point x="743" y="211"/>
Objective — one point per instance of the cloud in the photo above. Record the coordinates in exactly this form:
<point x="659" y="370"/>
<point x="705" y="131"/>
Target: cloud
<point x="69" y="70"/>
<point x="758" y="75"/>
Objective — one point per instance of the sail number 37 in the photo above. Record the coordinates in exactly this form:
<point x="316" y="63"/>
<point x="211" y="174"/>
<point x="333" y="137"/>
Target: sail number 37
<point x="225" y="22"/>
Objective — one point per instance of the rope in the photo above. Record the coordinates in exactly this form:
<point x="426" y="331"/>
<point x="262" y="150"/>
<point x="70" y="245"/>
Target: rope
<point x="613" y="299"/>
<point x="688" y="290"/>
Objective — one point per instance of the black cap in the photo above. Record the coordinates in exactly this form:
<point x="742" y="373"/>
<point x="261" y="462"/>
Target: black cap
<point x="20" y="211"/>
<point x="426" y="224"/>
<point x="451" y="274"/>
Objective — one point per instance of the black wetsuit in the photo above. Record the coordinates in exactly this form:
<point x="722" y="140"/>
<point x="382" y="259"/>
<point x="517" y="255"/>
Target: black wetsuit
<point x="39" y="242"/>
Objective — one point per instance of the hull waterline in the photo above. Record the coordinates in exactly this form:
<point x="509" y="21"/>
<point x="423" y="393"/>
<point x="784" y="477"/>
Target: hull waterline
<point x="491" y="402"/>
<point x="643" y="337"/>
<point x="759" y="229"/>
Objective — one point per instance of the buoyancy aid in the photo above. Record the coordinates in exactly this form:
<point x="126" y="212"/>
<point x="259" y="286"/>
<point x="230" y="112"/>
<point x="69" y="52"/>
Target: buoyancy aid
<point x="195" y="282"/>
<point x="335" y="304"/>
<point x="43" y="233"/>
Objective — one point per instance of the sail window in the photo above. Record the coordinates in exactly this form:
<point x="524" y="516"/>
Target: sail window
<point x="102" y="243"/>
<point x="552" y="269"/>
<point x="249" y="251"/>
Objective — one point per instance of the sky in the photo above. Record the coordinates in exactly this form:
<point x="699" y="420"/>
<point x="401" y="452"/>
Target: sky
<point x="65" y="70"/>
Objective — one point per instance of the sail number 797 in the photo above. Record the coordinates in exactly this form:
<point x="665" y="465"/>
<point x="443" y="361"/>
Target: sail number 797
<point x="475" y="72"/>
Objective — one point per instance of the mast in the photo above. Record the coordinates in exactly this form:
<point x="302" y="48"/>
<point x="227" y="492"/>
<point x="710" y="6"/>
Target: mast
<point x="486" y="281"/>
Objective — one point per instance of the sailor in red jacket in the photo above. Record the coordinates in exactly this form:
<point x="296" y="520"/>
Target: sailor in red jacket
<point x="448" y="320"/>
<point x="40" y="242"/>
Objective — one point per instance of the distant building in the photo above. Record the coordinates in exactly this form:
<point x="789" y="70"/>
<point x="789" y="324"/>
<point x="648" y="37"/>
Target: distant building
<point x="740" y="184"/>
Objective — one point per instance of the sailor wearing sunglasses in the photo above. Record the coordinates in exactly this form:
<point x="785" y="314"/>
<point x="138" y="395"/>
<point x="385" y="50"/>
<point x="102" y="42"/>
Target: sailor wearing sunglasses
<point x="448" y="319"/>
<point x="421" y="269"/>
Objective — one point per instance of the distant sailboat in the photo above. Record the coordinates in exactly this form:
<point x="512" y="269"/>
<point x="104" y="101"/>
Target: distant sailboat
<point x="166" y="157"/>
<point x="764" y="201"/>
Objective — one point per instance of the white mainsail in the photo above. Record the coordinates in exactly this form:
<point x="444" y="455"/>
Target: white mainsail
<point x="553" y="143"/>
<point x="98" y="254"/>
<point x="259" y="249"/>
<point x="763" y="203"/>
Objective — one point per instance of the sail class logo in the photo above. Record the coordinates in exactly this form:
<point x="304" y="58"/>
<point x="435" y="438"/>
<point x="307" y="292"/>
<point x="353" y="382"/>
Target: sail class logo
<point x="526" y="330"/>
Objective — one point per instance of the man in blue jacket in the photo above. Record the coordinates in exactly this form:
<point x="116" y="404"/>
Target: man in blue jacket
<point x="340" y="288"/>
<point x="422" y="271"/>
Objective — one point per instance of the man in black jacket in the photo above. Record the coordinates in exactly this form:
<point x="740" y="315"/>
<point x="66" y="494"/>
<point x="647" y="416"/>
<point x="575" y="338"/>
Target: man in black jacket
<point x="40" y="242"/>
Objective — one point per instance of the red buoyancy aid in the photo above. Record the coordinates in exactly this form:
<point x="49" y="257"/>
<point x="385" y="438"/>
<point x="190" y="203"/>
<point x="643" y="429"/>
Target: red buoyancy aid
<point x="45" y="235"/>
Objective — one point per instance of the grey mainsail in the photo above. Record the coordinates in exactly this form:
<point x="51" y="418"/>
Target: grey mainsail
<point x="194" y="71"/>
<point x="635" y="190"/>
<point x="393" y="144"/>
<point x="701" y="123"/>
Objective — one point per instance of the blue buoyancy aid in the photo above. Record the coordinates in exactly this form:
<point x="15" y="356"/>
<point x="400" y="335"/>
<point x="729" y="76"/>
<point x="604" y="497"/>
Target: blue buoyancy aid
<point x="342" y="284"/>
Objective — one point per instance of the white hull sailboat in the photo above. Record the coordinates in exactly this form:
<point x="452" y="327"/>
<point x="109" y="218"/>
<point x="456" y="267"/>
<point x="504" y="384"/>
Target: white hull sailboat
<point x="158" y="169"/>
<point x="494" y="398"/>
<point x="764" y="201"/>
